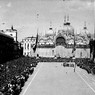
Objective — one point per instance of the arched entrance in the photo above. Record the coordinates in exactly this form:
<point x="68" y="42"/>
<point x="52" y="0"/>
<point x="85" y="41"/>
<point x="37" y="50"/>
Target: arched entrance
<point x="60" y="41"/>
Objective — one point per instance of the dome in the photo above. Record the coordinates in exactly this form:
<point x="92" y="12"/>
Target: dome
<point x="49" y="32"/>
<point x="67" y="32"/>
<point x="84" y="32"/>
<point x="68" y="29"/>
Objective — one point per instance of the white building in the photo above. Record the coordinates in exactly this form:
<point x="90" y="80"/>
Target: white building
<point x="28" y="44"/>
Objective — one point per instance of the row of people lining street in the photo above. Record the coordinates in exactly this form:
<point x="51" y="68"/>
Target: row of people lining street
<point x="14" y="74"/>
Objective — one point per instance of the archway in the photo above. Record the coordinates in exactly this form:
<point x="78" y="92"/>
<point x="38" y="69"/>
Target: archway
<point x="60" y="41"/>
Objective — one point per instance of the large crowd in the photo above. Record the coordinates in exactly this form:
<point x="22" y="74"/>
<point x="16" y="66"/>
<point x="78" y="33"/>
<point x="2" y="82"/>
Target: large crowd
<point x="14" y="74"/>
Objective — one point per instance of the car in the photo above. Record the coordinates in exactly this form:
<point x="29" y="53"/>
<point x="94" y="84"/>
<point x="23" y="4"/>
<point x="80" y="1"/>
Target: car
<point x="65" y="64"/>
<point x="68" y="64"/>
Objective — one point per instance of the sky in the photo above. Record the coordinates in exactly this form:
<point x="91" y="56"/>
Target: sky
<point x="23" y="15"/>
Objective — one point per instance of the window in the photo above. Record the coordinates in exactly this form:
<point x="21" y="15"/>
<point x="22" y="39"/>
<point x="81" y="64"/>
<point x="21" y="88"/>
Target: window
<point x="25" y="45"/>
<point x="28" y="46"/>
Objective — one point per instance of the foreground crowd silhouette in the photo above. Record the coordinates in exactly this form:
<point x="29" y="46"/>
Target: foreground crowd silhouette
<point x="14" y="74"/>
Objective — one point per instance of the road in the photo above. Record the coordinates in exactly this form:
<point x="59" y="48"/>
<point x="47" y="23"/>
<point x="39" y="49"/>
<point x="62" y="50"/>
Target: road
<point x="54" y="79"/>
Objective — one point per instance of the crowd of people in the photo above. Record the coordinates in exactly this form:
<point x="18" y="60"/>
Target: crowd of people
<point x="52" y="59"/>
<point x="87" y="65"/>
<point x="14" y="74"/>
<point x="59" y="59"/>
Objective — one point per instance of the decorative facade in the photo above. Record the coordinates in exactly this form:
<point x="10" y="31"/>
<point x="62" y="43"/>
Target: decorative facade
<point x="56" y="44"/>
<point x="48" y="38"/>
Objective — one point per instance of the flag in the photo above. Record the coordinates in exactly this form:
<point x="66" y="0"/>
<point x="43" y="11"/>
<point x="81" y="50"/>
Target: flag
<point x="35" y="46"/>
<point x="74" y="46"/>
<point x="12" y="27"/>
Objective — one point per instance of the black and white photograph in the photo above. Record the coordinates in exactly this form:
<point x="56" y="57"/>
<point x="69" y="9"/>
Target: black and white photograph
<point x="47" y="47"/>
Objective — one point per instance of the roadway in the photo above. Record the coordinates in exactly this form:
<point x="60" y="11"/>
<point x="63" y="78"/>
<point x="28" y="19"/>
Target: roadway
<point x="54" y="79"/>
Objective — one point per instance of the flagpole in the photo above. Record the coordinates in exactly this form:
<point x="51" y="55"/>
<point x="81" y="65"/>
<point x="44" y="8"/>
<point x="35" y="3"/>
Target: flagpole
<point x="94" y="28"/>
<point x="37" y="22"/>
<point x="94" y="18"/>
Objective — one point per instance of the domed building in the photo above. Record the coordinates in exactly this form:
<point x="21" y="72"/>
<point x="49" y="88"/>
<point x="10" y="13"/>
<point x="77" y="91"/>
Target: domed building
<point x="65" y="36"/>
<point x="60" y="44"/>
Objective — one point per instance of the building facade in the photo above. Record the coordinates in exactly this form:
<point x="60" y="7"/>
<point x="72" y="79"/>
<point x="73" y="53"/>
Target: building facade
<point x="58" y="44"/>
<point x="28" y="44"/>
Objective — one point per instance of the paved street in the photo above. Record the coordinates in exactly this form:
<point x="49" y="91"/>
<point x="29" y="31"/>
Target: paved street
<point x="54" y="79"/>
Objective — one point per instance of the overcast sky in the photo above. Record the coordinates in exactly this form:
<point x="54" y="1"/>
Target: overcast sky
<point x="23" y="15"/>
